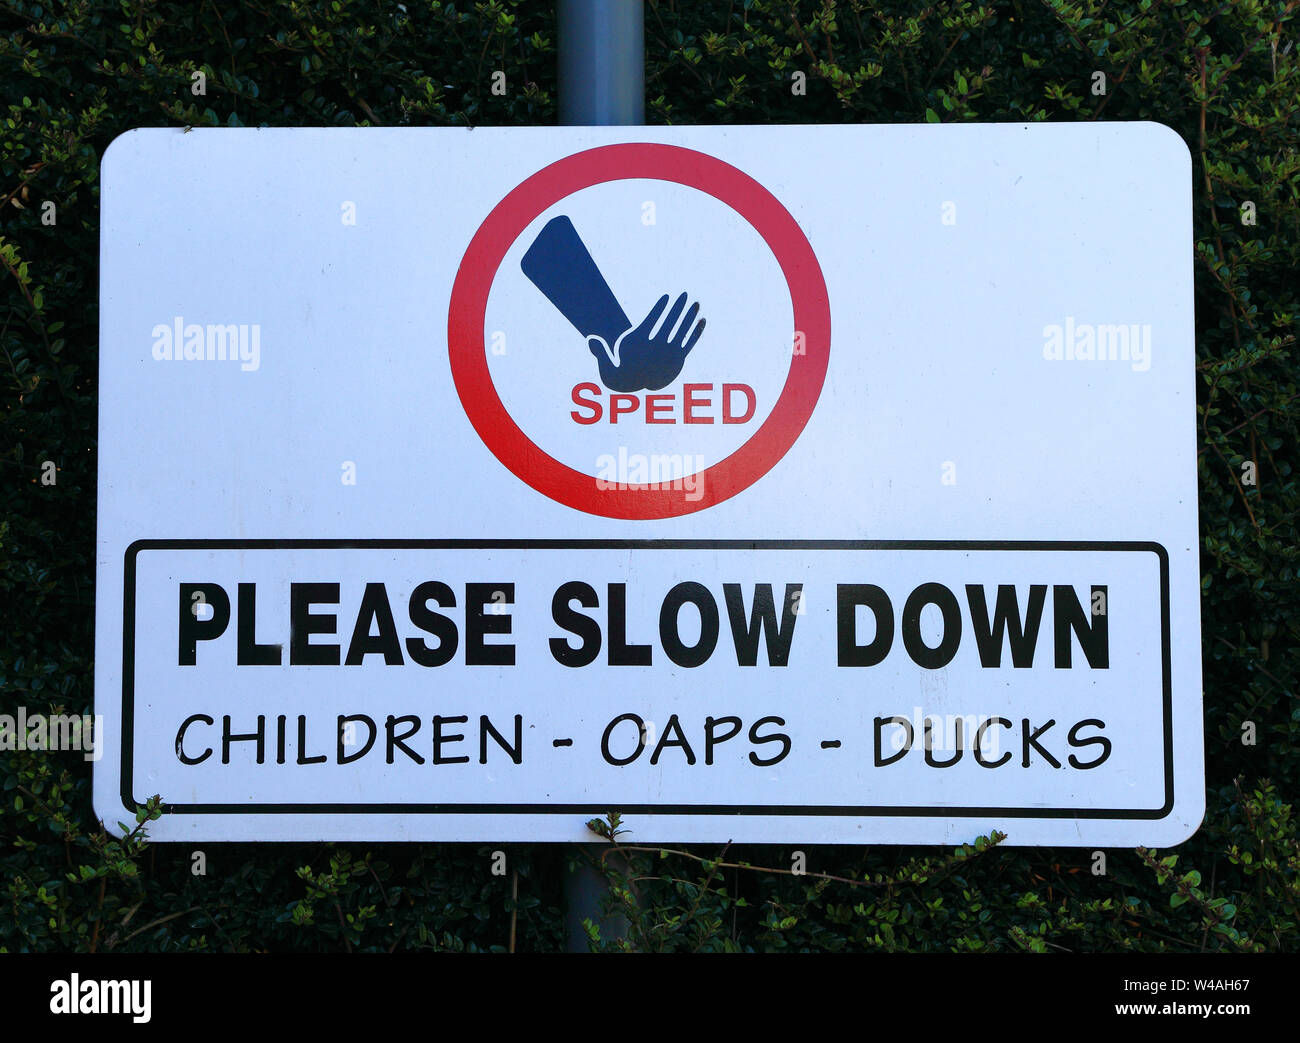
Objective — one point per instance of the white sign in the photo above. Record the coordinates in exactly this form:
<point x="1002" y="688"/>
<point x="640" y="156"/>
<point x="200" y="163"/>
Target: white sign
<point x="816" y="484"/>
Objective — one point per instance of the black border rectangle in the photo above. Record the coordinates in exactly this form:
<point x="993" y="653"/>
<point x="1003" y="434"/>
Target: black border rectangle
<point x="128" y="679"/>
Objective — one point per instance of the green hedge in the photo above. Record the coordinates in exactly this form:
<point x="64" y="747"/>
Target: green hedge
<point x="75" y="74"/>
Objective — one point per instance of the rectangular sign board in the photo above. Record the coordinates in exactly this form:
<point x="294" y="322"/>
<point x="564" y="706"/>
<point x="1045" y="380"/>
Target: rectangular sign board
<point x="768" y="484"/>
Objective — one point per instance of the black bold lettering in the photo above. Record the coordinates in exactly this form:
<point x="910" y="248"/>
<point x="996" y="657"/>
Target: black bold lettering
<point x="193" y="629"/>
<point x="248" y="651"/>
<point x="478" y="623"/>
<point x="1006" y="617"/>
<point x="761" y="620"/>
<point x="698" y="595"/>
<point x="575" y="623"/>
<point x="434" y="623"/>
<point x="375" y="607"/>
<point x="848" y="596"/>
<point x="1091" y="630"/>
<point x="620" y="652"/>
<point x="922" y="655"/>
<point x="302" y="624"/>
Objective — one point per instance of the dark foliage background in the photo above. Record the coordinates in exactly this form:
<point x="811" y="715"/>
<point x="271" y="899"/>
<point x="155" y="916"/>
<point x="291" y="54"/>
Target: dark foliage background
<point x="1224" y="75"/>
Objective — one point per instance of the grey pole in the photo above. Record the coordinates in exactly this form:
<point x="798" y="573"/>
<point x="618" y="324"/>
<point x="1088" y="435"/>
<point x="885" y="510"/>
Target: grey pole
<point x="602" y="63"/>
<point x="602" y="84"/>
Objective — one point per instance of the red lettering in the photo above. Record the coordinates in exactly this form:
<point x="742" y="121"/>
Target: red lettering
<point x="593" y="405"/>
<point x="745" y="390"/>
<point x="688" y="390"/>
<point x="620" y="404"/>
<point x="653" y="408"/>
<point x="697" y="404"/>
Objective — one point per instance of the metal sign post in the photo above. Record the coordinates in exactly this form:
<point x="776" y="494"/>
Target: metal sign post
<point x="602" y="83"/>
<point x="602" y="63"/>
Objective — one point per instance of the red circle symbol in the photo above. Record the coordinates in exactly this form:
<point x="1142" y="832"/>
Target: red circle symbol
<point x="507" y="221"/>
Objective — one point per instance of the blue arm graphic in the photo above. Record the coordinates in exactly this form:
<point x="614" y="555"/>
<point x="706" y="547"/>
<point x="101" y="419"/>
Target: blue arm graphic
<point x="559" y="264"/>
